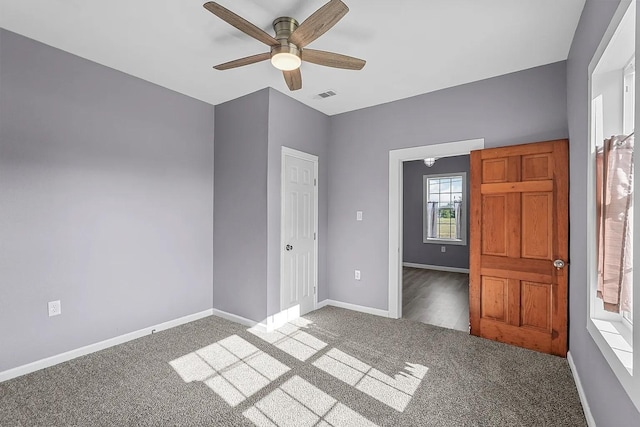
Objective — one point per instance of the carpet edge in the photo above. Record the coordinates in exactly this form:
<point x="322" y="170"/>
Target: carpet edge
<point x="101" y="345"/>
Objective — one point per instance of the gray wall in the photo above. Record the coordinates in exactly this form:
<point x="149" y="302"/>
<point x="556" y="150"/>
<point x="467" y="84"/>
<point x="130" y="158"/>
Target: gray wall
<point x="240" y="222"/>
<point x="250" y="132"/>
<point x="294" y="125"/>
<point x="609" y="404"/>
<point x="526" y="106"/>
<point x="106" y="202"/>
<point x="413" y="247"/>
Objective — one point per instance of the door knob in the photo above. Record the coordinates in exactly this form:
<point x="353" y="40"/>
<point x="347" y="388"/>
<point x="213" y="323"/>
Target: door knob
<point x="558" y="264"/>
<point x="288" y="247"/>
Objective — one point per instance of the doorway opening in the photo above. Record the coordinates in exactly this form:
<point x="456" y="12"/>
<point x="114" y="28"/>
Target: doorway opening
<point x="397" y="159"/>
<point x="435" y="262"/>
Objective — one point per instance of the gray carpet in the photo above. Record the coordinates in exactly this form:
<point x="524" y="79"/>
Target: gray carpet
<point x="334" y="367"/>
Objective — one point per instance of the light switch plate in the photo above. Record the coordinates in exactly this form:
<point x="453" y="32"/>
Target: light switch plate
<point x="359" y="216"/>
<point x="357" y="275"/>
<point x="443" y="249"/>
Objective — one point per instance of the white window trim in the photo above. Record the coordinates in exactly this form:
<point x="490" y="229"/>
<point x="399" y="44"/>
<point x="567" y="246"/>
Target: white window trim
<point x="628" y="70"/>
<point x="463" y="231"/>
<point x="628" y="120"/>
<point x="630" y="383"/>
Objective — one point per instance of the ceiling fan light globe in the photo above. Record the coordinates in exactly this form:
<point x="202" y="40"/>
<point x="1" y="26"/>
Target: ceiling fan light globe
<point x="285" y="61"/>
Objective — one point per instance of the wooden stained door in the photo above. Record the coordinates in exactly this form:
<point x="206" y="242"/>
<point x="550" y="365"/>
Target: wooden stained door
<point x="519" y="227"/>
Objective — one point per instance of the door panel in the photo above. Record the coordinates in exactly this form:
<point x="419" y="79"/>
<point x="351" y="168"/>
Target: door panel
<point x="494" y="214"/>
<point x="536" y="167"/>
<point x="494" y="170"/>
<point x="537" y="221"/>
<point x="494" y="298"/>
<point x="298" y="245"/>
<point x="519" y="226"/>
<point x="536" y="305"/>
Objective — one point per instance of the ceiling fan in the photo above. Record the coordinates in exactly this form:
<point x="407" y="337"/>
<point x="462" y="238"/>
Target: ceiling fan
<point x="288" y="46"/>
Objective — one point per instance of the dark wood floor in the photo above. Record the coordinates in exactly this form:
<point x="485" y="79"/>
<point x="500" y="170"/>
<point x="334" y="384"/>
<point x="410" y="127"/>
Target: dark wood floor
<point x="436" y="297"/>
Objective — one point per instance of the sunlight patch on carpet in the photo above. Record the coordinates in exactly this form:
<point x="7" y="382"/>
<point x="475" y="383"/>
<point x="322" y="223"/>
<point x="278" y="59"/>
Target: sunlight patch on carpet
<point x="233" y="368"/>
<point x="297" y="403"/>
<point x="291" y="339"/>
<point x="395" y="392"/>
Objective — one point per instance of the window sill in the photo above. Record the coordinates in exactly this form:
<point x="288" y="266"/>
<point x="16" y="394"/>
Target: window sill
<point x="609" y="337"/>
<point x="445" y="242"/>
<point x="619" y="338"/>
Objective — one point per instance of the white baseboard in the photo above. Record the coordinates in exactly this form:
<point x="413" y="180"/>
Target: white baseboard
<point x="354" y="307"/>
<point x="591" y="422"/>
<point x="435" y="267"/>
<point x="92" y="348"/>
<point x="241" y="320"/>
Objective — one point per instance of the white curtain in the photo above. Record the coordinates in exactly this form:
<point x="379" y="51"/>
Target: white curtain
<point x="458" y="212"/>
<point x="432" y="220"/>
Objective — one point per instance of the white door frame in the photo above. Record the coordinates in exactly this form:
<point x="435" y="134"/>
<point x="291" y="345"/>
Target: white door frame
<point x="286" y="151"/>
<point x="396" y="157"/>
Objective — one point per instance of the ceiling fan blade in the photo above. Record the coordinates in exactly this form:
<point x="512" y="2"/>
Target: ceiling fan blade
<point x="330" y="59"/>
<point x="318" y="23"/>
<point x="243" y="61"/>
<point x="293" y="79"/>
<point x="240" y="23"/>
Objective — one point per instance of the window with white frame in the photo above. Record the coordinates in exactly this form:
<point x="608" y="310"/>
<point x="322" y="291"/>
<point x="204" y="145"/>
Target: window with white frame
<point x="611" y="213"/>
<point x="628" y="111"/>
<point x="444" y="215"/>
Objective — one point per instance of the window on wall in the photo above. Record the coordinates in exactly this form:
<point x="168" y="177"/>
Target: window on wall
<point x="444" y="216"/>
<point x="611" y="212"/>
<point x="628" y="111"/>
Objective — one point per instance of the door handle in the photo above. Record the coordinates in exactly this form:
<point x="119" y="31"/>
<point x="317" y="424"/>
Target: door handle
<point x="559" y="264"/>
<point x="288" y="247"/>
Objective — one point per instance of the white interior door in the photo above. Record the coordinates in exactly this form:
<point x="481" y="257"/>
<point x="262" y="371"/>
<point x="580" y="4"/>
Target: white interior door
<point x="299" y="213"/>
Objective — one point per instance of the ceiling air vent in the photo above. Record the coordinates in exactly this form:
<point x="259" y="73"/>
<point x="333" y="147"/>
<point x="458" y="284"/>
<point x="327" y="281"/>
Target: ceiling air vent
<point x="326" y="94"/>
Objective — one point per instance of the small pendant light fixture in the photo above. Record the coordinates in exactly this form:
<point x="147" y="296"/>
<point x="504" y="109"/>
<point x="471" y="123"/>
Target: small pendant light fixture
<point x="429" y="161"/>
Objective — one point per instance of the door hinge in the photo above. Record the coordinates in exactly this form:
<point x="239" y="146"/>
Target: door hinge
<point x="315" y="182"/>
<point x="314" y="236"/>
<point x="314" y="290"/>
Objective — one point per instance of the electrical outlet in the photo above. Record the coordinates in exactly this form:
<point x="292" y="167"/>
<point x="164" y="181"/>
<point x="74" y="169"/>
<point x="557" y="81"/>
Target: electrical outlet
<point x="358" y="215"/>
<point x="55" y="308"/>
<point x="357" y="274"/>
<point x="443" y="249"/>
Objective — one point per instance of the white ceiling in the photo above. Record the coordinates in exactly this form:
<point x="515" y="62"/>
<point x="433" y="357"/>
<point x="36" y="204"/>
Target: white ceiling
<point x="411" y="46"/>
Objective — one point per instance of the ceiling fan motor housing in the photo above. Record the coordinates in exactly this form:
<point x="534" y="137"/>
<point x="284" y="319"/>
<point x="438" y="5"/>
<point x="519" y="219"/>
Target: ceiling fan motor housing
<point x="283" y="27"/>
